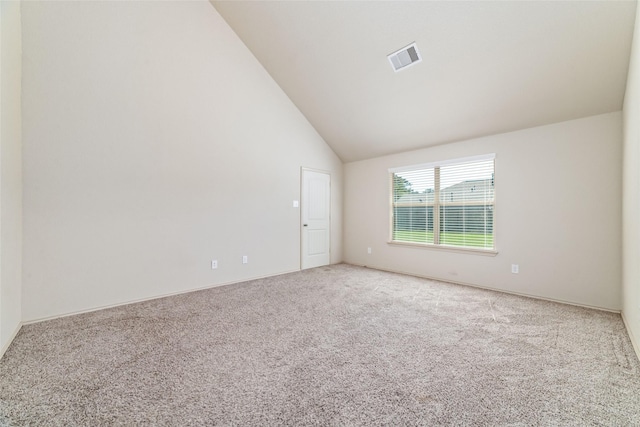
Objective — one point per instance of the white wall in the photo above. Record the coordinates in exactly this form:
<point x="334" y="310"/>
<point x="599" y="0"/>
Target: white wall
<point x="631" y="195"/>
<point x="558" y="213"/>
<point x="154" y="142"/>
<point x="10" y="174"/>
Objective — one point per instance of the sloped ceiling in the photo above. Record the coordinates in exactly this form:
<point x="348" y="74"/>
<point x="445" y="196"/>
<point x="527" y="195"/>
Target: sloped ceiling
<point x="488" y="67"/>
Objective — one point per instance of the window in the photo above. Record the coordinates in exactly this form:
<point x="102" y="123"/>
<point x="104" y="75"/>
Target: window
<point x="446" y="204"/>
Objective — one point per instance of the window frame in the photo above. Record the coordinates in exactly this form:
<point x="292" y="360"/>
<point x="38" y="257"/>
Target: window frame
<point x="437" y="205"/>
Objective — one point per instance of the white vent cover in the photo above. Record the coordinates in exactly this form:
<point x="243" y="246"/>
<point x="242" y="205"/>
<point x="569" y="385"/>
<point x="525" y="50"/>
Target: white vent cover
<point x="405" y="57"/>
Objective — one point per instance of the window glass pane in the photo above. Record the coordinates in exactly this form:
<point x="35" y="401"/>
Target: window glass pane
<point x="413" y="224"/>
<point x="470" y="226"/>
<point x="419" y="184"/>
<point x="466" y="209"/>
<point x="413" y="195"/>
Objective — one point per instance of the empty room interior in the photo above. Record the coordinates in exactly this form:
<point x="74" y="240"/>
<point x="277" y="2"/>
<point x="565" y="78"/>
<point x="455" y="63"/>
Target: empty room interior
<point x="319" y="212"/>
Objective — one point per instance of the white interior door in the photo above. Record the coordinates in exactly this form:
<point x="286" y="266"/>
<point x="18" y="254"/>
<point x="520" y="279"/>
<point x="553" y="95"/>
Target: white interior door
<point x="316" y="209"/>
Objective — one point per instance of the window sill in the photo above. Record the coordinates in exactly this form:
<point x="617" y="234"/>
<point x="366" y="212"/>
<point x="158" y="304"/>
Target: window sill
<point x="483" y="252"/>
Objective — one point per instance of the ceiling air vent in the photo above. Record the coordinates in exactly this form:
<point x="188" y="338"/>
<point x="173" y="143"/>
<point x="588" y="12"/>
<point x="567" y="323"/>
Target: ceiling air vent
<point x="405" y="57"/>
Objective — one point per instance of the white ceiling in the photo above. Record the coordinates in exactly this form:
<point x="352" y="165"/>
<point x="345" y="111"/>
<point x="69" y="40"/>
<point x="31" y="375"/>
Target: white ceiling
<point x="488" y="67"/>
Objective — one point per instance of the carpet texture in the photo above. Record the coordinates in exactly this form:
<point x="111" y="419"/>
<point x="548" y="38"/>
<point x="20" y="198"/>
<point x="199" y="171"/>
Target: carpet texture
<point x="338" y="345"/>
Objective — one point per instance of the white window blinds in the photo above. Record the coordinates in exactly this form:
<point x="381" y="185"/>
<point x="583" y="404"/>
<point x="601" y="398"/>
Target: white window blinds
<point x="449" y="204"/>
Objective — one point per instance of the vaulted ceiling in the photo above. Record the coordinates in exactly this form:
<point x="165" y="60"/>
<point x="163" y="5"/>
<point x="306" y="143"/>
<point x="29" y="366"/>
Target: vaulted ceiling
<point x="488" y="67"/>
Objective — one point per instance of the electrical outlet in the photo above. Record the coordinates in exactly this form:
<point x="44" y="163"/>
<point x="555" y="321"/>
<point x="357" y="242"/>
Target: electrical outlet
<point x="295" y="204"/>
<point x="245" y="259"/>
<point x="214" y="264"/>
<point x="515" y="268"/>
<point x="369" y="251"/>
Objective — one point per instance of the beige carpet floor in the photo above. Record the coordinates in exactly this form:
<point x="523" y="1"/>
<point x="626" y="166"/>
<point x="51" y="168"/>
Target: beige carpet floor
<point x="339" y="345"/>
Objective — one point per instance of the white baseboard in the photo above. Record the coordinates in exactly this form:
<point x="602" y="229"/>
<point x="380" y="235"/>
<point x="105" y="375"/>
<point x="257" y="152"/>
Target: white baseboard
<point x="104" y="307"/>
<point x="491" y="289"/>
<point x="634" y="341"/>
<point x="13" y="335"/>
